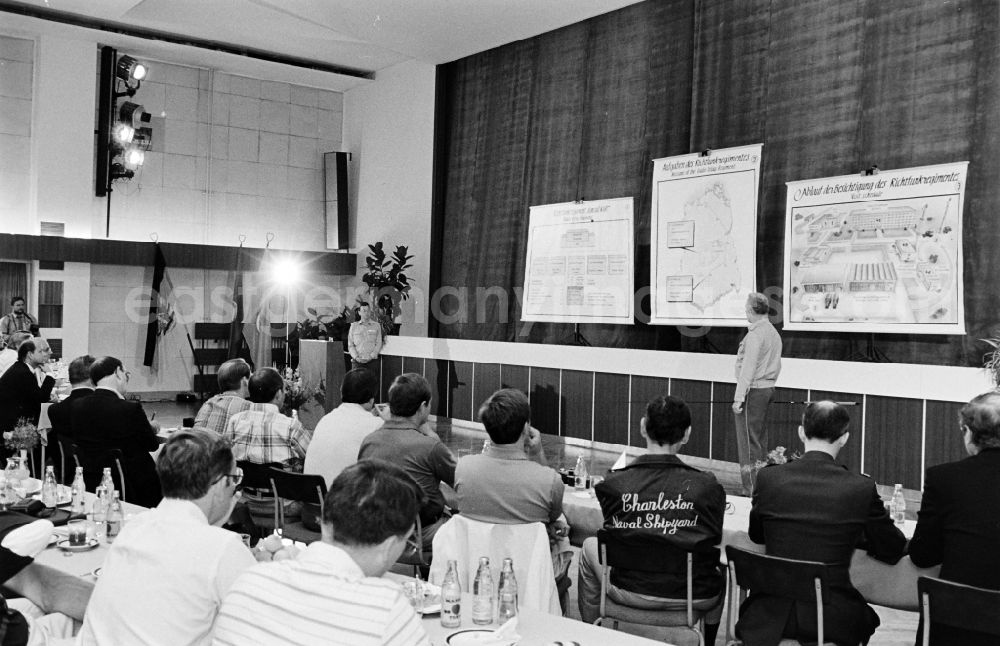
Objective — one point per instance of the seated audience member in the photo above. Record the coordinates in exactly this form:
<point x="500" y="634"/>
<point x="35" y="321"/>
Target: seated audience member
<point x="166" y="574"/>
<point x="339" y="434"/>
<point x="405" y="441"/>
<point x="214" y="414"/>
<point x="955" y="528"/>
<point x="814" y="509"/>
<point x="332" y="592"/>
<point x="82" y="386"/>
<point x="8" y="356"/>
<point x="105" y="421"/>
<point x="510" y="482"/>
<point x="49" y="601"/>
<point x="262" y="434"/>
<point x="20" y="393"/>
<point x="627" y="495"/>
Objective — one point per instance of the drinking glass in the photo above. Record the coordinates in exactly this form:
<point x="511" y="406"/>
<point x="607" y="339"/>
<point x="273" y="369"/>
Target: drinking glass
<point x="77" y="532"/>
<point x="414" y="591"/>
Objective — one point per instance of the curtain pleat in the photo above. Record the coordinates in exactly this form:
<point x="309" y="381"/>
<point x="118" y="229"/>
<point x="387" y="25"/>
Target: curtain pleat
<point x="829" y="87"/>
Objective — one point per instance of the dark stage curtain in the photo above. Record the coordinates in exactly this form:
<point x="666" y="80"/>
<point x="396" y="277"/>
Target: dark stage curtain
<point x="829" y="87"/>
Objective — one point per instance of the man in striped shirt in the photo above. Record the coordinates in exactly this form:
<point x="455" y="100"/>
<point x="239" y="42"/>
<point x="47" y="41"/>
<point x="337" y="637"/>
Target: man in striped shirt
<point x="331" y="593"/>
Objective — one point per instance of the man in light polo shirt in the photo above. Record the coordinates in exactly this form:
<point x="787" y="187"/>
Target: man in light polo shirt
<point x="758" y="364"/>
<point x="406" y="441"/>
<point x="332" y="593"/>
<point x="510" y="482"/>
<point x="338" y="436"/>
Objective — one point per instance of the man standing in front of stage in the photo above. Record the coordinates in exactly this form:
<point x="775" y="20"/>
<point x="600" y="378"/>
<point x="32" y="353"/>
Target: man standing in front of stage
<point x="758" y="364"/>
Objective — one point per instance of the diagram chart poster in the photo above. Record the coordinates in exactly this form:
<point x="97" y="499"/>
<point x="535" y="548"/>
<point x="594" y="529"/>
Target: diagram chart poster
<point x="580" y="263"/>
<point x="878" y="253"/>
<point x="704" y="236"/>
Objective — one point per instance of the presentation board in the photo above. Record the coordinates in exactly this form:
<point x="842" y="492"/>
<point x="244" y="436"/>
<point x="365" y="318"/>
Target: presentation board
<point x="704" y="236"/>
<point x="580" y="263"/>
<point x="876" y="253"/>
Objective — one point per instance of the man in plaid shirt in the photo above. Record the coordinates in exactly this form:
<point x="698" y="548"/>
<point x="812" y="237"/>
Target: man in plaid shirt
<point x="263" y="434"/>
<point x="234" y="375"/>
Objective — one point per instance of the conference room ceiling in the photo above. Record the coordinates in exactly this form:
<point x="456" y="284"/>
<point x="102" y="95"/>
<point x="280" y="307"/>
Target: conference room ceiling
<point x="363" y="35"/>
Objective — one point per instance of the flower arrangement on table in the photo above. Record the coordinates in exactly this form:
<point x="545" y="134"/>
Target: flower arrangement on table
<point x="24" y="437"/>
<point x="297" y="394"/>
<point x="776" y="455"/>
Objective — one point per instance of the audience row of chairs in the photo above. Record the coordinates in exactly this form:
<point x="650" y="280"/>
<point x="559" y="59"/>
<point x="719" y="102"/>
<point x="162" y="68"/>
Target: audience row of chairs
<point x="941" y="602"/>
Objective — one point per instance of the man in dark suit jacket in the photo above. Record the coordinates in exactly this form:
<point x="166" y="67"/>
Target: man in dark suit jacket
<point x="958" y="526"/>
<point x="105" y="421"/>
<point x="814" y="509"/>
<point x="20" y="393"/>
<point x="60" y="413"/>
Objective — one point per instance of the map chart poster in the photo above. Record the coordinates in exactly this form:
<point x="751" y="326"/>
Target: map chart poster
<point x="704" y="236"/>
<point x="580" y="263"/>
<point x="878" y="253"/>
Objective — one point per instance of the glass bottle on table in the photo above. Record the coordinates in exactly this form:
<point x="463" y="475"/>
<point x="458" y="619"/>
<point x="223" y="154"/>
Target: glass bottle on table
<point x="108" y="482"/>
<point x="580" y="474"/>
<point x="451" y="597"/>
<point x="78" y="489"/>
<point x="50" y="488"/>
<point x="897" y="506"/>
<point x="114" y="518"/>
<point x="482" y="594"/>
<point x="99" y="513"/>
<point x="506" y="593"/>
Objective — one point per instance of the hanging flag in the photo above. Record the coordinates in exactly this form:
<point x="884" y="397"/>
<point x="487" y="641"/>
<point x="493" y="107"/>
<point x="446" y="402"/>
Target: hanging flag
<point x="153" y="325"/>
<point x="236" y="326"/>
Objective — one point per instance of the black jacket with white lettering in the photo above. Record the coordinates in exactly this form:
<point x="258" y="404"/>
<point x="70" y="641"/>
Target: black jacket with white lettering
<point x="658" y="501"/>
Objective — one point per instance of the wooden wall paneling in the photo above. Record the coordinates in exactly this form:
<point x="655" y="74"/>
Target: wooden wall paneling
<point x="514" y="377"/>
<point x="391" y="367"/>
<point x="893" y="440"/>
<point x="698" y="395"/>
<point x="643" y="390"/>
<point x="783" y="419"/>
<point x="723" y="426"/>
<point x="436" y="372"/>
<point x="577" y="399"/>
<point x="611" y="407"/>
<point x="485" y="383"/>
<point x="460" y="391"/>
<point x="943" y="442"/>
<point x="851" y="453"/>
<point x="414" y="364"/>
<point x="545" y="399"/>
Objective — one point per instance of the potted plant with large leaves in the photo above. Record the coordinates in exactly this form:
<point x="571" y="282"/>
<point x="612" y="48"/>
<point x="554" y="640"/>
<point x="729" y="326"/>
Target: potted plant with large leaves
<point x="388" y="284"/>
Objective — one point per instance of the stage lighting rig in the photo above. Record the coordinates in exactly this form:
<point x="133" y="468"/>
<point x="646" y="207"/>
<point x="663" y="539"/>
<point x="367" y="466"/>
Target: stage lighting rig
<point x="123" y="134"/>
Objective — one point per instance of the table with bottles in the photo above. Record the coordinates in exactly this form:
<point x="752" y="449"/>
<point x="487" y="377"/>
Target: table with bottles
<point x="488" y="607"/>
<point x="105" y="514"/>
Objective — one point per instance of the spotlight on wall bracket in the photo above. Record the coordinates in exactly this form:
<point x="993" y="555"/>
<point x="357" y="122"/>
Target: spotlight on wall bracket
<point x="129" y="69"/>
<point x="123" y="134"/>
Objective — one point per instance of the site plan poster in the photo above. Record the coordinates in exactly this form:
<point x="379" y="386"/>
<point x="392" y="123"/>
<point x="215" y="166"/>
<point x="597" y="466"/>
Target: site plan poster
<point x="876" y="253"/>
<point x="580" y="263"/>
<point x="704" y="236"/>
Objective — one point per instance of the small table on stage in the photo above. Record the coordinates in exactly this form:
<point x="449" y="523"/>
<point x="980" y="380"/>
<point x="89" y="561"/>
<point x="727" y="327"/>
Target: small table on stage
<point x="892" y="586"/>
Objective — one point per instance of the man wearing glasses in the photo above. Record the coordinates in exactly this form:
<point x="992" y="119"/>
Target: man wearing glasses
<point x="167" y="572"/>
<point x="105" y="421"/>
